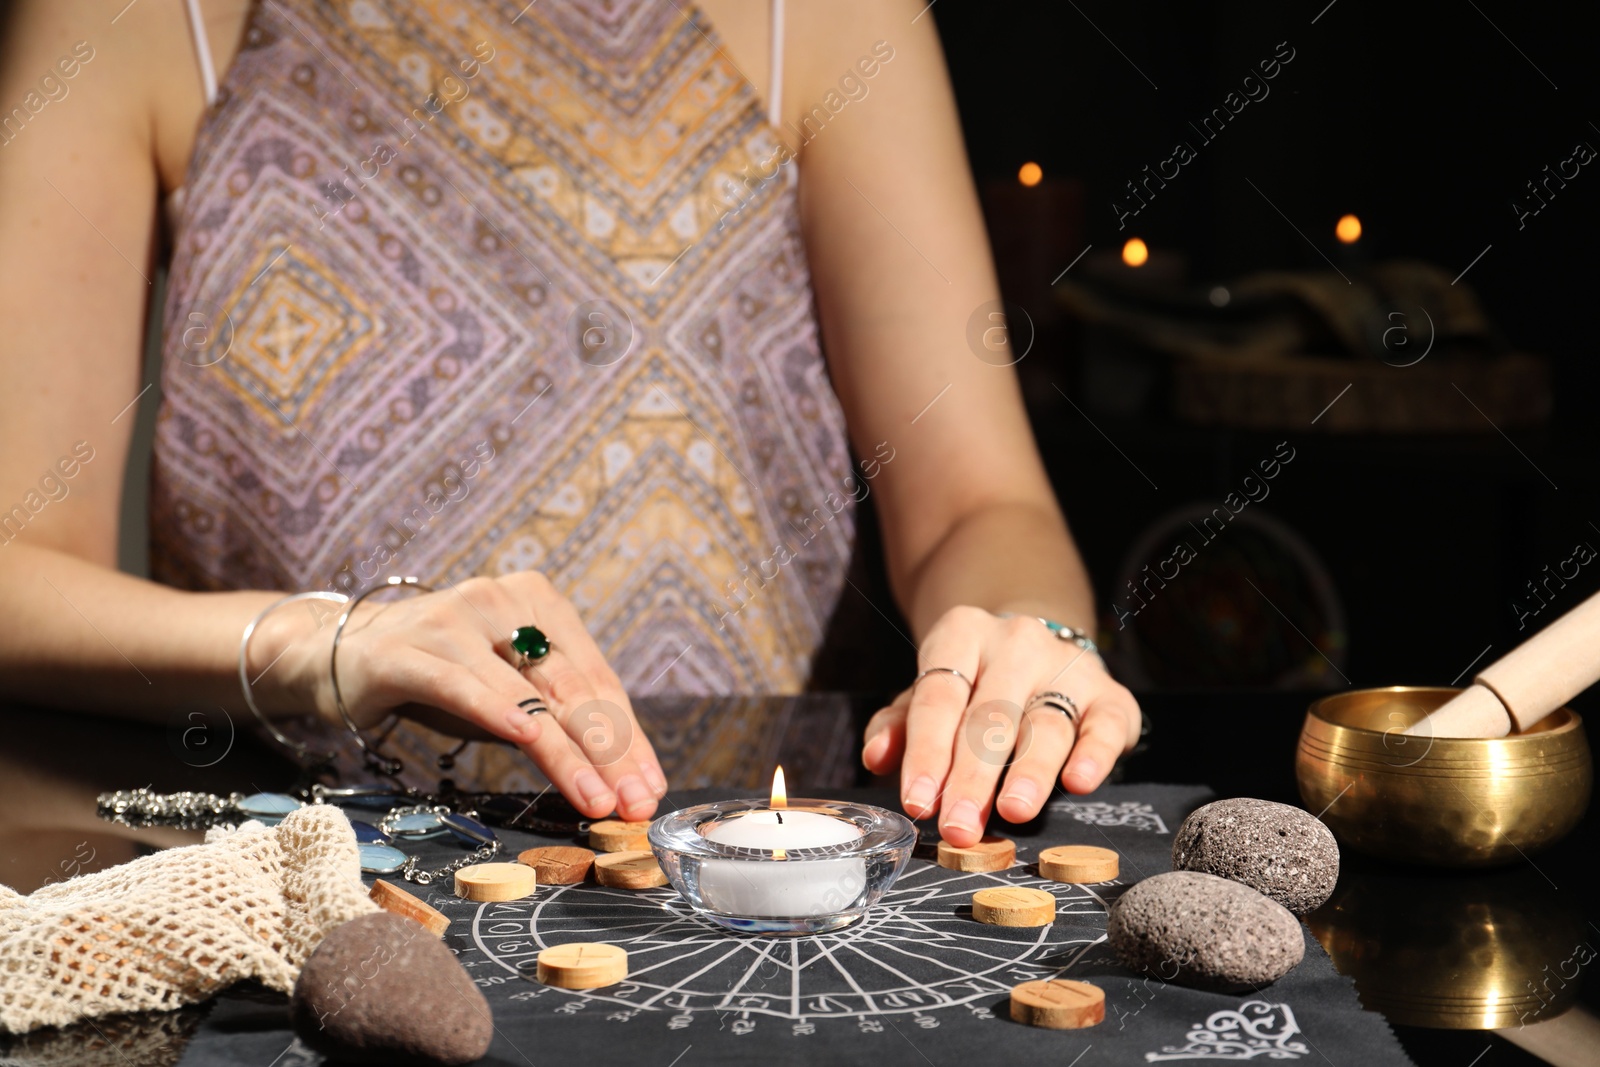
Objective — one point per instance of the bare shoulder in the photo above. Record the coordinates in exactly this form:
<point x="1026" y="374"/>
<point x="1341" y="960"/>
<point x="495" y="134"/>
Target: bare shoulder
<point x="55" y="49"/>
<point x="177" y="92"/>
<point x="130" y="68"/>
<point x="839" y="51"/>
<point x="832" y="49"/>
<point x="826" y="36"/>
<point x="77" y="206"/>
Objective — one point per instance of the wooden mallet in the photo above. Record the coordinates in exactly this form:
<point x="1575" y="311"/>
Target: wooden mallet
<point x="1528" y="683"/>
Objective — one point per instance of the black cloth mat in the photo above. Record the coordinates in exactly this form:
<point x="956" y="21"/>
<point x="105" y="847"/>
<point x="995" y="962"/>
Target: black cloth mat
<point x="916" y="982"/>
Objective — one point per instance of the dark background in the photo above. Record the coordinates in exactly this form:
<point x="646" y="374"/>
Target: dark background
<point x="1424" y="120"/>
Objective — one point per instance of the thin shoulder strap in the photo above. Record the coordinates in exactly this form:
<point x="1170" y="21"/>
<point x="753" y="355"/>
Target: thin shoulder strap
<point x="775" y="96"/>
<point x="202" y="50"/>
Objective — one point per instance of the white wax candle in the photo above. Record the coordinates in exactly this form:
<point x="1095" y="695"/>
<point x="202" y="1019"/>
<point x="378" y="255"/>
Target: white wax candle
<point x="780" y="888"/>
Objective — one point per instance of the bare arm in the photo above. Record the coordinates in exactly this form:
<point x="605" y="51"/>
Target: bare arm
<point x="79" y="184"/>
<point x="902" y="267"/>
<point x="901" y="263"/>
<point x="78" y="189"/>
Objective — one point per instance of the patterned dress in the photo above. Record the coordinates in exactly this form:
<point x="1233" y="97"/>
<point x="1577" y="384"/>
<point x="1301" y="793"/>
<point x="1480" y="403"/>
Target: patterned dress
<point x="468" y="288"/>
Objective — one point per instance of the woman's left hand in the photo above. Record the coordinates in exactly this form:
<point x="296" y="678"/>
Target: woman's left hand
<point x="958" y="743"/>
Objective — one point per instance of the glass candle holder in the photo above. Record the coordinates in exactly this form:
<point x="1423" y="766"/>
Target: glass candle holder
<point x="808" y="868"/>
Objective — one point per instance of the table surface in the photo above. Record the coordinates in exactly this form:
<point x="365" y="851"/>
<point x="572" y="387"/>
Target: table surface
<point x="1237" y="744"/>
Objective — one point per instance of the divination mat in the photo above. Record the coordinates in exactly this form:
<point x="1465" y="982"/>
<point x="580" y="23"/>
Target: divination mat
<point x="917" y="982"/>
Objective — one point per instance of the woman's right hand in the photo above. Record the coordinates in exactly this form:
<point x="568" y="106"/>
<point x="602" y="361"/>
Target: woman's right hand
<point x="412" y="652"/>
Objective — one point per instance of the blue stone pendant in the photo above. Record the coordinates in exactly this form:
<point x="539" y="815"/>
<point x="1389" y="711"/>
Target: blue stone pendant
<point x="269" y="808"/>
<point x="468" y="830"/>
<point x="368" y="834"/>
<point x="420" y="824"/>
<point x="381" y="797"/>
<point x="381" y="859"/>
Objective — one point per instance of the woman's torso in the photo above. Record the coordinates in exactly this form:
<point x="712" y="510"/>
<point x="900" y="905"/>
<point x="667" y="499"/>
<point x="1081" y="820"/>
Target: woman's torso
<point x="549" y="314"/>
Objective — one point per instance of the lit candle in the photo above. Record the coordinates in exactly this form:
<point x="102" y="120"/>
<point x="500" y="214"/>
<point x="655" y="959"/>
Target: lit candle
<point x="781" y="888"/>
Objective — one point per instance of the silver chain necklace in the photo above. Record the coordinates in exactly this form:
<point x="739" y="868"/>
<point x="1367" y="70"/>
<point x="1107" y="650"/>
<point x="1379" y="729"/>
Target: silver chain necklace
<point x="191" y="810"/>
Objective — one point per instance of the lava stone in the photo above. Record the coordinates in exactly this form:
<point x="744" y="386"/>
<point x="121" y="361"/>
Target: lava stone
<point x="1203" y="931"/>
<point x="1278" y="850"/>
<point x="382" y="989"/>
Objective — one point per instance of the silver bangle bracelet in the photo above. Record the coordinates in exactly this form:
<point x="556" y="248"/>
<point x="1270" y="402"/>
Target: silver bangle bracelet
<point x="302" y="754"/>
<point x="375" y="760"/>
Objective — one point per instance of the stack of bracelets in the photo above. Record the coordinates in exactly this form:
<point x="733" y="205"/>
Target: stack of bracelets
<point x="528" y="643"/>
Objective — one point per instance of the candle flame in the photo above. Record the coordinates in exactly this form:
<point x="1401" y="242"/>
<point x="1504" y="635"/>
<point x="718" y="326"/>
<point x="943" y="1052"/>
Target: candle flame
<point x="1030" y="174"/>
<point x="1348" y="230"/>
<point x="1135" y="252"/>
<point x="780" y="792"/>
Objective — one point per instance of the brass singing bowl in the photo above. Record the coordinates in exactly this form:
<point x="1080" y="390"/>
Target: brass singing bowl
<point x="1444" y="801"/>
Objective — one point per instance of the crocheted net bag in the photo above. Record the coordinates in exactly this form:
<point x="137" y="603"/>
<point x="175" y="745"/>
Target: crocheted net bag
<point x="178" y="926"/>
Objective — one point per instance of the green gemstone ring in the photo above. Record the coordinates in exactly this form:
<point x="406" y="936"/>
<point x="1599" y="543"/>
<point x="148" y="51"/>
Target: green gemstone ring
<point x="530" y="644"/>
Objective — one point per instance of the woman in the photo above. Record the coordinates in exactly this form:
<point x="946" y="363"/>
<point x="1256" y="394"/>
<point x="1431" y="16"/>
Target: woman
<point x="529" y="301"/>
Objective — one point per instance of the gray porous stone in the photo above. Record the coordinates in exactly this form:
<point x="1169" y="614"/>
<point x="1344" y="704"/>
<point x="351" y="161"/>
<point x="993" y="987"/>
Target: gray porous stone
<point x="1278" y="850"/>
<point x="1203" y="931"/>
<point x="382" y="989"/>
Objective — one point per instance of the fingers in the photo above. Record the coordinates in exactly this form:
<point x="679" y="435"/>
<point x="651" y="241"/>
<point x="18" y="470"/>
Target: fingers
<point x="606" y="732"/>
<point x="987" y="734"/>
<point x="959" y="744"/>
<point x="989" y="738"/>
<point x="589" y="701"/>
<point x="421" y="678"/>
<point x="542" y="737"/>
<point x="447" y="651"/>
<point x="1045" y="738"/>
<point x="934" y="714"/>
<point x="885" y="736"/>
<point x="600" y="723"/>
<point x="1105" y="735"/>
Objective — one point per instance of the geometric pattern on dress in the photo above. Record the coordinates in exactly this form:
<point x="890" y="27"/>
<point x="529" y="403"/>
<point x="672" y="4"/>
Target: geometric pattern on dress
<point x="407" y="275"/>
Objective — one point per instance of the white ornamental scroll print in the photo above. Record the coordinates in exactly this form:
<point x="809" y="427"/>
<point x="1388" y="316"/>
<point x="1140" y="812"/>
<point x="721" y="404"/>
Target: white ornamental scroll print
<point x="1258" y="1030"/>
<point x="1098" y="813"/>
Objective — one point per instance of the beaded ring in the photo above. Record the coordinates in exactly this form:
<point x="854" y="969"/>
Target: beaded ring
<point x="1058" y="701"/>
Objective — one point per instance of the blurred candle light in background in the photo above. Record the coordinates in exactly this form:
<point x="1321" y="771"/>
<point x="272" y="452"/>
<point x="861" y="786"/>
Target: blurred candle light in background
<point x="1348" y="229"/>
<point x="1036" y="229"/>
<point x="1137" y="263"/>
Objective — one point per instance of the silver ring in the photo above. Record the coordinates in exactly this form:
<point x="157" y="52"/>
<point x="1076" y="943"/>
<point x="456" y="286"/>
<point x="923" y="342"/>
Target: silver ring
<point x="538" y="705"/>
<point x="523" y="661"/>
<point x="941" y="670"/>
<point x="1059" y="702"/>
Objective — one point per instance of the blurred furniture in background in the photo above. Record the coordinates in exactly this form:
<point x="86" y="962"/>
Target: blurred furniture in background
<point x="1391" y="550"/>
<point x="1273" y="350"/>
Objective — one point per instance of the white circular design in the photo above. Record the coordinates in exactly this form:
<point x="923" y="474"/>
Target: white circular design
<point x="917" y="952"/>
<point x="482" y="120"/>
